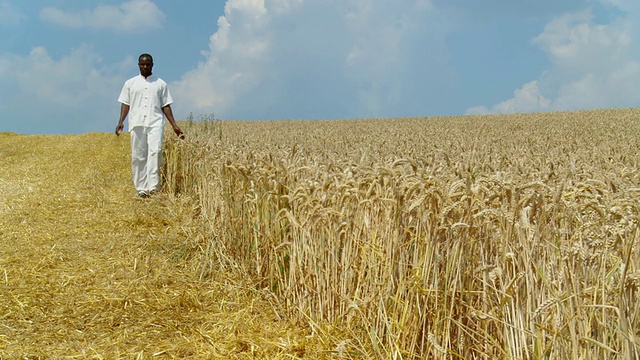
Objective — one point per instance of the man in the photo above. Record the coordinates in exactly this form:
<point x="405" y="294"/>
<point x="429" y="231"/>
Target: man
<point x="147" y="101"/>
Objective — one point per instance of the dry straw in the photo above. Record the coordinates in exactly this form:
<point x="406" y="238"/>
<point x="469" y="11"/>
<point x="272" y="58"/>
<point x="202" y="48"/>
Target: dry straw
<point x="386" y="227"/>
<point x="87" y="271"/>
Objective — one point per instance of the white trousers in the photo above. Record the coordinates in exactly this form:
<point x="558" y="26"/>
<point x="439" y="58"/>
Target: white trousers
<point x="146" y="157"/>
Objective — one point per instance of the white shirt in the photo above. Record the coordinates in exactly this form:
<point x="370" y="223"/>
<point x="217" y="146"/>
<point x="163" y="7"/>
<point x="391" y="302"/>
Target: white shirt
<point x="146" y="97"/>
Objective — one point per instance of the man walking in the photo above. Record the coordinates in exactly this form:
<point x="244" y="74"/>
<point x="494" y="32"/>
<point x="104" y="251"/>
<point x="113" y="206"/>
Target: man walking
<point x="147" y="101"/>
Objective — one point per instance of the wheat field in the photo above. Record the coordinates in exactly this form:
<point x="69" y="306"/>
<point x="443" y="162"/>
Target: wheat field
<point x="473" y="237"/>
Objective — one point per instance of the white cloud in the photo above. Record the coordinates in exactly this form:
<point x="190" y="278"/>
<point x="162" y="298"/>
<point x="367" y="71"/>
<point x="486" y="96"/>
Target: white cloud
<point x="593" y="65"/>
<point x="526" y="99"/>
<point x="38" y="88"/>
<point x="9" y="15"/>
<point x="69" y="82"/>
<point x="314" y="57"/>
<point x="573" y="38"/>
<point x="134" y="15"/>
<point x="233" y="63"/>
<point x="284" y="6"/>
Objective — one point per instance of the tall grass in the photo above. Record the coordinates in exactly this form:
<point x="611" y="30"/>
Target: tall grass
<point x="511" y="237"/>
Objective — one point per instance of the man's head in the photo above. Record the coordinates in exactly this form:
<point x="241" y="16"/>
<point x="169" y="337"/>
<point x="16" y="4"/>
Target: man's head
<point x="145" y="63"/>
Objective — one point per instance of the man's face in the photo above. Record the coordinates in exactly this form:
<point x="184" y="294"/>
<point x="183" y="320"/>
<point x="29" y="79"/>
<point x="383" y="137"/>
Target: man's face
<point x="146" y="66"/>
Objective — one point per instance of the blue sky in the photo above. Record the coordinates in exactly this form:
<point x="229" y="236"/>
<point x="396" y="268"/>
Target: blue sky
<point x="63" y="62"/>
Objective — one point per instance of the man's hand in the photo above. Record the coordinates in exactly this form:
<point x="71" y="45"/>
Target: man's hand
<point x="124" y="111"/>
<point x="178" y="132"/>
<point x="119" y="129"/>
<point x="169" y="115"/>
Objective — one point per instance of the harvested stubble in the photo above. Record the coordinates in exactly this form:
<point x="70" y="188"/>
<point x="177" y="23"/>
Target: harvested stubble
<point x="87" y="271"/>
<point x="471" y="237"/>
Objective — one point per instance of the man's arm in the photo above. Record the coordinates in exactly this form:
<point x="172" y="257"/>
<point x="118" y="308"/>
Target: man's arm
<point x="124" y="111"/>
<point x="169" y="115"/>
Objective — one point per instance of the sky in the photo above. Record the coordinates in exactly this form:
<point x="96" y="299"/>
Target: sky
<point x="63" y="62"/>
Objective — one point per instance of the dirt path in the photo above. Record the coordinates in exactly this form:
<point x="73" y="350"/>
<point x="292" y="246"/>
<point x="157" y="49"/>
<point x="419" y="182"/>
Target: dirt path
<point x="89" y="271"/>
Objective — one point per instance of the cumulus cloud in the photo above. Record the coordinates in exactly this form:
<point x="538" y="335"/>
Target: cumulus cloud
<point x="235" y="59"/>
<point x="74" y="88"/>
<point x="9" y="15"/>
<point x="313" y="58"/>
<point x="593" y="65"/>
<point x="526" y="99"/>
<point x="134" y="15"/>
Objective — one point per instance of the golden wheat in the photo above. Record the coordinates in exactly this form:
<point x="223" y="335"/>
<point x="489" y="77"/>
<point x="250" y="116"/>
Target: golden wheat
<point x="452" y="237"/>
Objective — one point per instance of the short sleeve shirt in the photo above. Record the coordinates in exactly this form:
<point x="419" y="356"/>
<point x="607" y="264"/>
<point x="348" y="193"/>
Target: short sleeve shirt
<point x="146" y="97"/>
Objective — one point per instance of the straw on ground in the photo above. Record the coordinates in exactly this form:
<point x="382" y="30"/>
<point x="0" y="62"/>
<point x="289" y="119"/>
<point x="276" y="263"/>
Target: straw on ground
<point x="87" y="271"/>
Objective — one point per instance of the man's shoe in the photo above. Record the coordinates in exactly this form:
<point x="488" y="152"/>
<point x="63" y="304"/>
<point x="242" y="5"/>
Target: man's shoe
<point x="142" y="194"/>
